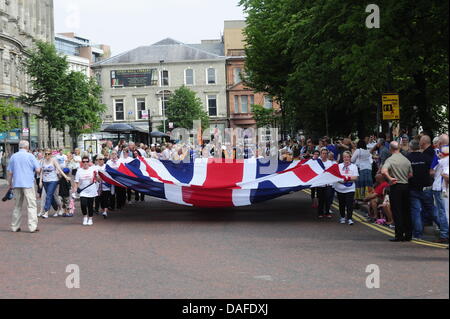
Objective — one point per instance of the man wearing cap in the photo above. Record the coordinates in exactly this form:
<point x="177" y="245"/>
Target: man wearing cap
<point x="21" y="169"/>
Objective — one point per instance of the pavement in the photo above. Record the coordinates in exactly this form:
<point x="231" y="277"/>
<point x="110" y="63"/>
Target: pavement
<point x="158" y="250"/>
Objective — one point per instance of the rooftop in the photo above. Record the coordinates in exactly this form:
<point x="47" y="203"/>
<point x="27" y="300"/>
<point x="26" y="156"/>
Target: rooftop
<point x="169" y="50"/>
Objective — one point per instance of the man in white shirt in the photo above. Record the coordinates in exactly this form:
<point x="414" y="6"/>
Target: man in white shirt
<point x="437" y="171"/>
<point x="167" y="153"/>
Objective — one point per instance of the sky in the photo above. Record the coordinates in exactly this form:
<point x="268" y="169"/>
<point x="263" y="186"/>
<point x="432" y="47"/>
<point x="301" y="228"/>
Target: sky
<point x="128" y="24"/>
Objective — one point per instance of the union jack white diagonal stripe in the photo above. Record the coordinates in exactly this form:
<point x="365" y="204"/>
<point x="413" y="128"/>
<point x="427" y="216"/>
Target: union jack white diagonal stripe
<point x="217" y="182"/>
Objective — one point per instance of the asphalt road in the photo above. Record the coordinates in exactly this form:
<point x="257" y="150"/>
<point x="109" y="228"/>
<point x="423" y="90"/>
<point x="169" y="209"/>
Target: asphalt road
<point x="274" y="250"/>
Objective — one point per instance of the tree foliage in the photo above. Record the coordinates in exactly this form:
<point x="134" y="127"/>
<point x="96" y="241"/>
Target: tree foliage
<point x="82" y="104"/>
<point x="264" y="117"/>
<point x="184" y="107"/>
<point x="329" y="70"/>
<point x="65" y="98"/>
<point x="10" y="115"/>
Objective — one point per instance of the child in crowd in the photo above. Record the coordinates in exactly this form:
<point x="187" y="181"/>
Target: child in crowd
<point x="64" y="193"/>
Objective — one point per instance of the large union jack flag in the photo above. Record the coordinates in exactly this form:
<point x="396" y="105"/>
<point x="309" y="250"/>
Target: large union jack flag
<point x="218" y="183"/>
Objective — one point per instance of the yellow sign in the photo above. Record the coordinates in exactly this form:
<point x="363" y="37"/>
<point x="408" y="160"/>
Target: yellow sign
<point x="391" y="107"/>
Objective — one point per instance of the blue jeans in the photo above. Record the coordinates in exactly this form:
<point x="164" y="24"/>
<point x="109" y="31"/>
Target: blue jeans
<point x="428" y="216"/>
<point x="421" y="206"/>
<point x="50" y="188"/>
<point x="439" y="208"/>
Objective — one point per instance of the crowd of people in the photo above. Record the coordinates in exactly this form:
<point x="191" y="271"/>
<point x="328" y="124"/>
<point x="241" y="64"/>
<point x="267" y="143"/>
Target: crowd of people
<point x="402" y="184"/>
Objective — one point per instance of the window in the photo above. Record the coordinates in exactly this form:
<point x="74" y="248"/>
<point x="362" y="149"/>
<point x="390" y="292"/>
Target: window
<point x="212" y="105"/>
<point x="140" y="106"/>
<point x="164" y="101"/>
<point x="189" y="77"/>
<point x="119" y="110"/>
<point x="244" y="103"/>
<point x="252" y="100"/>
<point x="236" y="104"/>
<point x="237" y="75"/>
<point x="267" y="102"/>
<point x="154" y="77"/>
<point x="165" y="78"/>
<point x="211" y="76"/>
<point x="98" y="77"/>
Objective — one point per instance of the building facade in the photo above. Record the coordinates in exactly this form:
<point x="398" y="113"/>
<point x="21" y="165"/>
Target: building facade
<point x="240" y="97"/>
<point x="80" y="52"/>
<point x="22" y="22"/>
<point x="140" y="82"/>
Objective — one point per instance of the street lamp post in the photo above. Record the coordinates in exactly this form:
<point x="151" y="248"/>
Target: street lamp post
<point x="149" y="127"/>
<point x="163" y="103"/>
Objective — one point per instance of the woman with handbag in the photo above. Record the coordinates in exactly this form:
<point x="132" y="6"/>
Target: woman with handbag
<point x="50" y="181"/>
<point x="86" y="187"/>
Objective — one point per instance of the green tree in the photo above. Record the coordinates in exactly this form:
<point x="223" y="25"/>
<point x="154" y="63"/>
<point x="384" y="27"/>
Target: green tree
<point x="10" y="116"/>
<point x="48" y="71"/>
<point x="264" y="117"/>
<point x="184" y="107"/>
<point x="65" y="98"/>
<point x="82" y="105"/>
<point x="330" y="70"/>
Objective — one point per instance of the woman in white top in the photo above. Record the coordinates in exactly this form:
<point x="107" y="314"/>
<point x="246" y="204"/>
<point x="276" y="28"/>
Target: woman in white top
<point x="362" y="158"/>
<point x="85" y="180"/>
<point x="77" y="158"/>
<point x="346" y="189"/>
<point x="50" y="180"/>
<point x="104" y="188"/>
<point x="125" y="159"/>
<point x="118" y="194"/>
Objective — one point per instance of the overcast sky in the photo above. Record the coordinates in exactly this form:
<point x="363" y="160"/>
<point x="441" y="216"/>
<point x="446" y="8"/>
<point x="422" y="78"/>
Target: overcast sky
<point x="127" y="24"/>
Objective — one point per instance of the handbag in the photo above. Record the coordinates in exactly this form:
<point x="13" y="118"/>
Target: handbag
<point x="79" y="190"/>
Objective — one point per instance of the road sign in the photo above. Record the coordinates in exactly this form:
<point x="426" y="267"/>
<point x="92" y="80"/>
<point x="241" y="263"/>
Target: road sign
<point x="391" y="106"/>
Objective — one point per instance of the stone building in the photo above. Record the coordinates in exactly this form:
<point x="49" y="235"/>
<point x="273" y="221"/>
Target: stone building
<point x="143" y="79"/>
<point x="22" y="22"/>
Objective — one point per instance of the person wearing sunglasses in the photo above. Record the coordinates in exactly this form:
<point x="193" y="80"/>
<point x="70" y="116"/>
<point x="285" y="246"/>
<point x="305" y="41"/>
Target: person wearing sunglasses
<point x="50" y="181"/>
<point x="85" y="185"/>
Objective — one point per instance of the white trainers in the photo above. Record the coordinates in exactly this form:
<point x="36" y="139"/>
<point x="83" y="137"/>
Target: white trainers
<point x="350" y="222"/>
<point x="61" y="213"/>
<point x="85" y="221"/>
<point x="105" y="214"/>
<point x="45" y="215"/>
<point x="40" y="214"/>
<point x="56" y="214"/>
<point x="90" y="222"/>
<point x="342" y="221"/>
